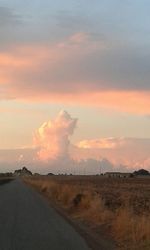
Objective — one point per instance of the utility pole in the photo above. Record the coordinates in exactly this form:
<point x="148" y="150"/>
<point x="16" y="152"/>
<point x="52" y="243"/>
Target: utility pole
<point x="100" y="167"/>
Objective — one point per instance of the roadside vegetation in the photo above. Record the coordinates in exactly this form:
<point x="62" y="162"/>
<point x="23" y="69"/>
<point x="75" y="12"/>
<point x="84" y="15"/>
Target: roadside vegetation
<point x="119" y="206"/>
<point x="5" y="180"/>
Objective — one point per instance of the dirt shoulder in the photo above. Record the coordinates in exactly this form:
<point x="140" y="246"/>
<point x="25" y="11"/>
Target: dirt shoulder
<point x="97" y="237"/>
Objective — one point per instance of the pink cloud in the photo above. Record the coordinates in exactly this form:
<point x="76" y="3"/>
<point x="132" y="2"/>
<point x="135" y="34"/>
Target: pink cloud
<point x="62" y="73"/>
<point x="103" y="143"/>
<point x="53" y="137"/>
<point x="53" y="140"/>
<point x="127" y="101"/>
<point x="53" y="149"/>
<point x="130" y="152"/>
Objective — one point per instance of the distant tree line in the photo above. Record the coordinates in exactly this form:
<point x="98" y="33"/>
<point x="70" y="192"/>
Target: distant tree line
<point x="141" y="172"/>
<point x="8" y="174"/>
<point x="24" y="172"/>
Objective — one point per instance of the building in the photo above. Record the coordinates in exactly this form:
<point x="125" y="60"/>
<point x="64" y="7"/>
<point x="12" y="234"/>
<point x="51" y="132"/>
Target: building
<point x="118" y="174"/>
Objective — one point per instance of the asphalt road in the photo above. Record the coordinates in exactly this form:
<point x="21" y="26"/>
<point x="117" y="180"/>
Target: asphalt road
<point x="27" y="222"/>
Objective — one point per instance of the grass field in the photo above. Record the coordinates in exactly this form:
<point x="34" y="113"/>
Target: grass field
<point x="119" y="206"/>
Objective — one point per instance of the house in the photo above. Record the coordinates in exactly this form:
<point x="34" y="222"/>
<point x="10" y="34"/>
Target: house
<point x="118" y="174"/>
<point x="22" y="172"/>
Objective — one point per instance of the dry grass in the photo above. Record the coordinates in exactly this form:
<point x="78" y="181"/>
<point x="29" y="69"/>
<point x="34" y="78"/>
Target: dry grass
<point x="121" y="205"/>
<point x="131" y="230"/>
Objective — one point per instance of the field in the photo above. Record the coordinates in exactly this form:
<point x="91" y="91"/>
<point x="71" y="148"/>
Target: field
<point x="120" y="207"/>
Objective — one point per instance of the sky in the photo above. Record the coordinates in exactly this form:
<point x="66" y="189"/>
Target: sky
<point x="74" y="85"/>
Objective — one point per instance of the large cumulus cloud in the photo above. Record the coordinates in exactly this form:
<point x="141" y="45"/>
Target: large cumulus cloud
<point x="54" y="151"/>
<point x="53" y="137"/>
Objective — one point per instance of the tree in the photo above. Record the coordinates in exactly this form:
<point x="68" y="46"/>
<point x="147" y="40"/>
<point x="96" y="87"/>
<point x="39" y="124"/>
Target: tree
<point x="141" y="172"/>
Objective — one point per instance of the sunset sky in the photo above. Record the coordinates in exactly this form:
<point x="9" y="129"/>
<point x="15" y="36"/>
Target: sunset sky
<point x="82" y="69"/>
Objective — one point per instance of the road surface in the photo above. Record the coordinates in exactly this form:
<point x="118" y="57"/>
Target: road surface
<point x="27" y="222"/>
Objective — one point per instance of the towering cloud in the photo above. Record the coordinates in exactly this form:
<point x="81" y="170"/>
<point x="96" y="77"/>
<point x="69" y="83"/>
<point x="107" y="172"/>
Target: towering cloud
<point x="53" y="146"/>
<point x="53" y="137"/>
